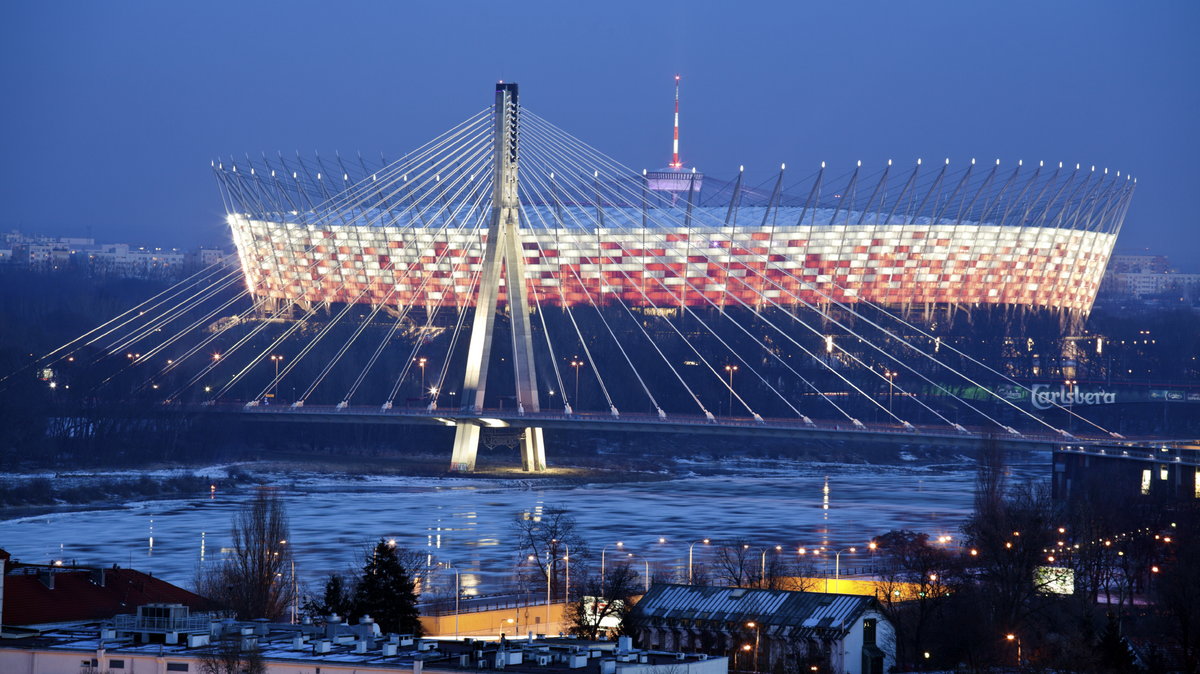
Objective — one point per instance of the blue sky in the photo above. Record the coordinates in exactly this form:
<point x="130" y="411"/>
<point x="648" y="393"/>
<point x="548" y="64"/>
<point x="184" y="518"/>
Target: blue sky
<point x="112" y="111"/>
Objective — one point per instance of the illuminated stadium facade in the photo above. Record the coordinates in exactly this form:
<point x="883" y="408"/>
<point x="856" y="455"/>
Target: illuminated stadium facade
<point x="412" y="232"/>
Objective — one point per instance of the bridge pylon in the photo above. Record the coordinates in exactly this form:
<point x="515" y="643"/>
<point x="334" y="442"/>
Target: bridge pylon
<point x="503" y="252"/>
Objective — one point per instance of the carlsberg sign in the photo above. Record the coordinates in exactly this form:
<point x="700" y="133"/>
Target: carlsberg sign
<point x="1043" y="397"/>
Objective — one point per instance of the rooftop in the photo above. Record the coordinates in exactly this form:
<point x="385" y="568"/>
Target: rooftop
<point x="40" y="595"/>
<point x="817" y="611"/>
<point x="364" y="648"/>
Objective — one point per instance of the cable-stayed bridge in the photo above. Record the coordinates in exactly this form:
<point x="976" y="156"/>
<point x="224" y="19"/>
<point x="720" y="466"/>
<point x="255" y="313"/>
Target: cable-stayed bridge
<point x="478" y="279"/>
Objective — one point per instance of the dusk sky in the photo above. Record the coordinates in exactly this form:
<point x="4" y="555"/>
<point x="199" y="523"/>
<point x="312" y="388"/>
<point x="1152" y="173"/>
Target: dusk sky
<point x="112" y="111"/>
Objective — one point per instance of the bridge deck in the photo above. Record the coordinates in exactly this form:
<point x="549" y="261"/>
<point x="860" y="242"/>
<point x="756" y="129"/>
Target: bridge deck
<point x="1140" y="448"/>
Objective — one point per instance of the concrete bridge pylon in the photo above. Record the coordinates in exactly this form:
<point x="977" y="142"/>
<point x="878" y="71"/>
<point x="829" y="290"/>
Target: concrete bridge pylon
<point x="502" y="254"/>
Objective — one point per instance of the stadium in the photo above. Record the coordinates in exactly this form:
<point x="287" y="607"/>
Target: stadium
<point x="411" y="232"/>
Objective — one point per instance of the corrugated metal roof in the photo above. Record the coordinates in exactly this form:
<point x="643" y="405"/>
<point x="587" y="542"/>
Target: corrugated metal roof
<point x="768" y="608"/>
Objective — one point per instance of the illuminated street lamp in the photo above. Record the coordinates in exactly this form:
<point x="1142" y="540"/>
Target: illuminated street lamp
<point x="690" y="547"/>
<point x="891" y="377"/>
<point x="277" y="359"/>
<point x="757" y="634"/>
<point x="1071" y="403"/>
<point x="421" y="364"/>
<point x="1013" y="637"/>
<point x="602" y="553"/>
<point x="730" y="369"/>
<point x="576" y="363"/>
<point x="763" y="566"/>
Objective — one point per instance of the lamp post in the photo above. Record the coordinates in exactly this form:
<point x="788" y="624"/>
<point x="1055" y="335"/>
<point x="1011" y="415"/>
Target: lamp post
<point x="730" y="369"/>
<point x="603" y="579"/>
<point x="576" y="363"/>
<point x="421" y="364"/>
<point x="457" y="594"/>
<point x="277" y="359"/>
<point x="1013" y="637"/>
<point x="762" y="575"/>
<point x="757" y="633"/>
<point x="891" y="377"/>
<point x="837" y="566"/>
<point x="693" y="545"/>
<point x="1071" y="404"/>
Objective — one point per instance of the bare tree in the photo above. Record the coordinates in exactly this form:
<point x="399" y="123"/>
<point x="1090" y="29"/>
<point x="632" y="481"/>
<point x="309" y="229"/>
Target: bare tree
<point x="736" y="563"/>
<point x="255" y="580"/>
<point x="230" y="655"/>
<point x="546" y="537"/>
<point x="603" y="602"/>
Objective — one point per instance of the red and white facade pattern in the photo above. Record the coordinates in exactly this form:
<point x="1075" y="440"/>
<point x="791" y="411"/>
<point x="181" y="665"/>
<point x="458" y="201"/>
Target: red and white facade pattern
<point x="741" y="266"/>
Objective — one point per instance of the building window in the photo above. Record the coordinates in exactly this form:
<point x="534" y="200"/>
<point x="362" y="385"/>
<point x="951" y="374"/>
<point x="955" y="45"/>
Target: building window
<point x="116" y="664"/>
<point x="1145" y="482"/>
<point x="1163" y="472"/>
<point x="869" y="632"/>
<point x="177" y="666"/>
<point x="1198" y="483"/>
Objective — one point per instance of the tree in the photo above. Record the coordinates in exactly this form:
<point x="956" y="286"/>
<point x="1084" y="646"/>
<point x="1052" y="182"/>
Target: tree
<point x="230" y="655"/>
<point x="736" y="563"/>
<point x="337" y="598"/>
<point x="914" y="588"/>
<point x="1176" y="590"/>
<point x="386" y="592"/>
<point x="1114" y="655"/>
<point x="255" y="580"/>
<point x="604" y="602"/>
<point x="546" y="537"/>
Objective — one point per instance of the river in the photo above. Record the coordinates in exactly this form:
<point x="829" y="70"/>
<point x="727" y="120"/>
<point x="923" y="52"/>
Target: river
<point x="467" y="522"/>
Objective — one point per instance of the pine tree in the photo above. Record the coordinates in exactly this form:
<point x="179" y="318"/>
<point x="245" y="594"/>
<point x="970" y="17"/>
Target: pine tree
<point x="387" y="593"/>
<point x="1113" y="651"/>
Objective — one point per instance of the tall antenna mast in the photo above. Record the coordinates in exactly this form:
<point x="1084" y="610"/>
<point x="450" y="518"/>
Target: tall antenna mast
<point x="675" y="163"/>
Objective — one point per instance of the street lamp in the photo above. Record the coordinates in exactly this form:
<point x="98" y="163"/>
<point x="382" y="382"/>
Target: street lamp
<point x="566" y="558"/>
<point x="891" y="377"/>
<point x="421" y="364"/>
<point x="576" y="363"/>
<point x="757" y="633"/>
<point x="1013" y="637"/>
<point x="704" y="541"/>
<point x="837" y="567"/>
<point x="762" y="575"/>
<point x="730" y="369"/>
<point x="277" y="360"/>
<point x="603" y="550"/>
<point x="1071" y="403"/>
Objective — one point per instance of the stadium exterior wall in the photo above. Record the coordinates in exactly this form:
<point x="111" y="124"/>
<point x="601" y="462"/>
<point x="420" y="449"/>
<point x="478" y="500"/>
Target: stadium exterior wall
<point x="888" y="264"/>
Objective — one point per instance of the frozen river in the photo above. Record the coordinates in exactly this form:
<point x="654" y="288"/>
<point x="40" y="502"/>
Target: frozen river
<point x="467" y="522"/>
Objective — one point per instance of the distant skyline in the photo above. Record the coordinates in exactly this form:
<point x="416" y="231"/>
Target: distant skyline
<point x="113" y="111"/>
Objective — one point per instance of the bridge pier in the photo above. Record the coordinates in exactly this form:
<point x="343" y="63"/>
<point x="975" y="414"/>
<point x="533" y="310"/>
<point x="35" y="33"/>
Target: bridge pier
<point x="466" y="448"/>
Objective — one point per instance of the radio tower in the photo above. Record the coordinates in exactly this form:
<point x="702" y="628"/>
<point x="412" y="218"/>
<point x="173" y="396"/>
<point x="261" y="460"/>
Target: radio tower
<point x="675" y="163"/>
<point x="673" y="178"/>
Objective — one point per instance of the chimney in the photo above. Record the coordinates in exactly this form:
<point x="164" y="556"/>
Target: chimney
<point x="97" y="576"/>
<point x="47" y="578"/>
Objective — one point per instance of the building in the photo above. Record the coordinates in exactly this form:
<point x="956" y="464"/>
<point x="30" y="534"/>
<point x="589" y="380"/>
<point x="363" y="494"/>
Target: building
<point x="180" y="642"/>
<point x="796" y="631"/>
<point x="1145" y="275"/>
<point x="47" y="253"/>
<point x="41" y="594"/>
